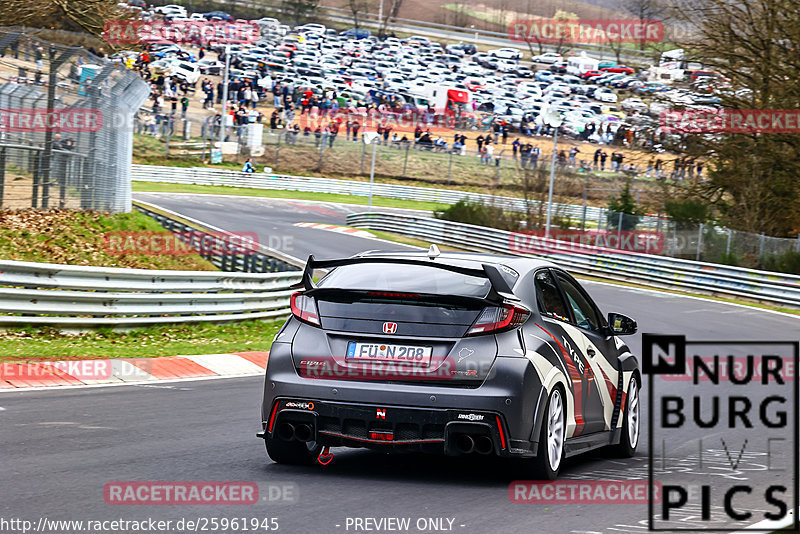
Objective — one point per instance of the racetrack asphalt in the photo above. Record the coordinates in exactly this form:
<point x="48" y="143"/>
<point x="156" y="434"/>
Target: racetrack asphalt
<point x="59" y="448"/>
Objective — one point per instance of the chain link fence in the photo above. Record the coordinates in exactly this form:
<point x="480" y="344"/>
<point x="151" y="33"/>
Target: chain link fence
<point x="65" y="126"/>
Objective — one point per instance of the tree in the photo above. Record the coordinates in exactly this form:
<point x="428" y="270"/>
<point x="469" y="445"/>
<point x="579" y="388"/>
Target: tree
<point x="356" y="7"/>
<point x="563" y="46"/>
<point x="645" y="10"/>
<point x="300" y="10"/>
<point x="390" y="14"/>
<point x="75" y="15"/>
<point x="534" y="184"/>
<point x="753" y="177"/>
<point x="623" y="208"/>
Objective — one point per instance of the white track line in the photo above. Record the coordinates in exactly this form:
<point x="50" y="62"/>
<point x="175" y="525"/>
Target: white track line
<point x="117" y="384"/>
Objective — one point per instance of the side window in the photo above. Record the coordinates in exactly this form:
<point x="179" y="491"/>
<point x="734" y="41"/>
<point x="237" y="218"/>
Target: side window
<point x="549" y="297"/>
<point x="582" y="309"/>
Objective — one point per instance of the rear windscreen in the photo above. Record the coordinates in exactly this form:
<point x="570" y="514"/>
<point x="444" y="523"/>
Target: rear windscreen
<point x="406" y="278"/>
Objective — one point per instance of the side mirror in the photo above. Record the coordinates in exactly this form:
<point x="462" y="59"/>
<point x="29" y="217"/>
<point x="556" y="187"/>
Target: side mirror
<point x="621" y="325"/>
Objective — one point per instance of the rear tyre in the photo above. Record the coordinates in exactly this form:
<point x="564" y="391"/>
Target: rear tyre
<point x="548" y="460"/>
<point x="630" y="423"/>
<point x="292" y="452"/>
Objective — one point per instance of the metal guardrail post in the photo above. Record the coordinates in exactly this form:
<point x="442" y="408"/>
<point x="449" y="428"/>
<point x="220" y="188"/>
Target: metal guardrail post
<point x="37" y="169"/>
<point x="761" y="245"/>
<point x="583" y="211"/>
<point x="3" y="175"/>
<point x="699" y="242"/>
<point x="450" y="167"/>
<point x="728" y="244"/>
<point x="405" y="160"/>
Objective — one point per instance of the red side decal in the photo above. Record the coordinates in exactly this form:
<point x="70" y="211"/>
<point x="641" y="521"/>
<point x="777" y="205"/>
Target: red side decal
<point x="577" y="388"/>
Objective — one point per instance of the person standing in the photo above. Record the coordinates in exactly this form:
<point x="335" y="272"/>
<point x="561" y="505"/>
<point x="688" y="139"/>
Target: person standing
<point x="524" y="155"/>
<point x="184" y="106"/>
<point x="334" y="132"/>
<point x="572" y="153"/>
<point x="38" y="54"/>
<point x="603" y="158"/>
<point x="535" y="154"/>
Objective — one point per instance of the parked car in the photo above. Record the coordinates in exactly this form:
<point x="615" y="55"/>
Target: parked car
<point x="547" y="58"/>
<point x="218" y="15"/>
<point x="506" y="53"/>
<point x="634" y="104"/>
<point x="619" y="68"/>
<point x="356" y="33"/>
<point x="605" y="95"/>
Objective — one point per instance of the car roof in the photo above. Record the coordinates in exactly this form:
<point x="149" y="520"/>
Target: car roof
<point x="468" y="259"/>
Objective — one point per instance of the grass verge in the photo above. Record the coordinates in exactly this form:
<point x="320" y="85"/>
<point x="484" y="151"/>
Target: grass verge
<point x="80" y="238"/>
<point x="21" y="344"/>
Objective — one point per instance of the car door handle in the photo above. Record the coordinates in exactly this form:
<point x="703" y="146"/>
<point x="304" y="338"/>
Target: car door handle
<point x="591" y="352"/>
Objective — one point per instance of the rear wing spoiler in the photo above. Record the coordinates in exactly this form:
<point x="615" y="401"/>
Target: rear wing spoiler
<point x="501" y="285"/>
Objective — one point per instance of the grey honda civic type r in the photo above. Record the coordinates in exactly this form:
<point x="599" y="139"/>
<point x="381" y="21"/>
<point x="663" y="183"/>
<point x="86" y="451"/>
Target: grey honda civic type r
<point x="449" y="353"/>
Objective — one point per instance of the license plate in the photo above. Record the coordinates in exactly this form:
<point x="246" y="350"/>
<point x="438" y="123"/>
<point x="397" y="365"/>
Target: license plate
<point x="384" y="352"/>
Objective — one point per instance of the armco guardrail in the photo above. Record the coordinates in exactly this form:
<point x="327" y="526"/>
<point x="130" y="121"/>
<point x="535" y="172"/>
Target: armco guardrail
<point x="257" y="259"/>
<point x="643" y="269"/>
<point x="211" y="176"/>
<point x="83" y="297"/>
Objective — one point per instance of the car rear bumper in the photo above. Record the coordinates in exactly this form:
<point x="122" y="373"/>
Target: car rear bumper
<point x="407" y="416"/>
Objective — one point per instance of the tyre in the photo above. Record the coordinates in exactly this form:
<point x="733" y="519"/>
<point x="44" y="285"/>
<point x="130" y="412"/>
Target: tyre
<point x="292" y="452"/>
<point x="630" y="422"/>
<point x="548" y="460"/>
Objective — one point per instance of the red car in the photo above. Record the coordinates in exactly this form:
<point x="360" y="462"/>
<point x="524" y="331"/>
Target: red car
<point x="619" y="68"/>
<point x="592" y="73"/>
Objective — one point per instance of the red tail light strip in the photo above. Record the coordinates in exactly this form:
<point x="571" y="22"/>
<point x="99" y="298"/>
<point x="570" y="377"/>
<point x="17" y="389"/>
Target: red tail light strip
<point x="500" y="429"/>
<point x="272" y="417"/>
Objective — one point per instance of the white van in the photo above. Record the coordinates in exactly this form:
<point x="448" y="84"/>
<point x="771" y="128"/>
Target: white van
<point x="577" y="65"/>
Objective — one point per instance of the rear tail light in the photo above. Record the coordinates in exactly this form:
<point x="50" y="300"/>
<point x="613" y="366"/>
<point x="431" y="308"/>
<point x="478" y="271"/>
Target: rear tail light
<point x="496" y="319"/>
<point x="304" y="309"/>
